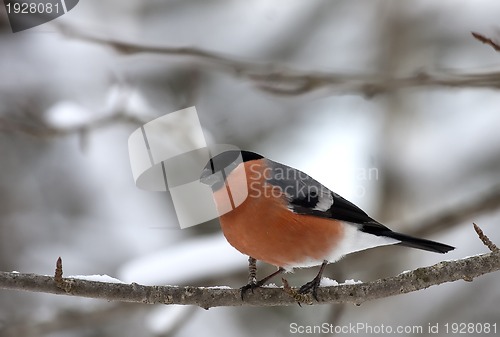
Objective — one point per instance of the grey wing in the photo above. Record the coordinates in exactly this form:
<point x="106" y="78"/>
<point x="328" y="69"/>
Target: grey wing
<point x="309" y="197"/>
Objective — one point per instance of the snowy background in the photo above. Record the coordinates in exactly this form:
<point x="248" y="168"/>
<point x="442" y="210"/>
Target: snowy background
<point x="401" y="155"/>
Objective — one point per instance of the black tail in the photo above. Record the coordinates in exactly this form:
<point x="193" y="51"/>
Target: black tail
<point x="431" y="246"/>
<point x="378" y="229"/>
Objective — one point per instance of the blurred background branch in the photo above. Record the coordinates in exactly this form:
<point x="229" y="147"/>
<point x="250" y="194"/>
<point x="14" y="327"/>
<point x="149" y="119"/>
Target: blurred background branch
<point x="284" y="80"/>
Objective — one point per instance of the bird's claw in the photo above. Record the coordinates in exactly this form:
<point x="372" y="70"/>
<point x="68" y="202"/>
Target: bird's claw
<point x="250" y="286"/>
<point x="311" y="287"/>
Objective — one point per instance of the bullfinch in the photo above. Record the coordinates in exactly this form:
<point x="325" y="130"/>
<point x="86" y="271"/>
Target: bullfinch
<point x="280" y="215"/>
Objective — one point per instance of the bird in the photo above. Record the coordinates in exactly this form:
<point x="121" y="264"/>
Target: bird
<point x="277" y="214"/>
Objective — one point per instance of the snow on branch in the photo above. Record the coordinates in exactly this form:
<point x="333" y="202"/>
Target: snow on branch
<point x="207" y="297"/>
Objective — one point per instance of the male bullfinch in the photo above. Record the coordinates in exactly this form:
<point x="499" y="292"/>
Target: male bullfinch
<point x="287" y="219"/>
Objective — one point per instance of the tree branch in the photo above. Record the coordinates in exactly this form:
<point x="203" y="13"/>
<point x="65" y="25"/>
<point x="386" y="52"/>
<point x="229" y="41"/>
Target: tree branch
<point x="447" y="271"/>
<point x="282" y="80"/>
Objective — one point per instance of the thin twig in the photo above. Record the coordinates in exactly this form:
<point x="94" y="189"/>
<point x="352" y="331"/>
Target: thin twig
<point x="293" y="293"/>
<point x="486" y="40"/>
<point x="486" y="240"/>
<point x="58" y="275"/>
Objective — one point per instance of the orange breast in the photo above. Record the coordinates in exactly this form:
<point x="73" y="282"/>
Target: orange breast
<point x="263" y="227"/>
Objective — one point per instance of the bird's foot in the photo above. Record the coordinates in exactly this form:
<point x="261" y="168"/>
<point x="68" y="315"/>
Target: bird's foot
<point x="254" y="284"/>
<point x="311" y="287"/>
